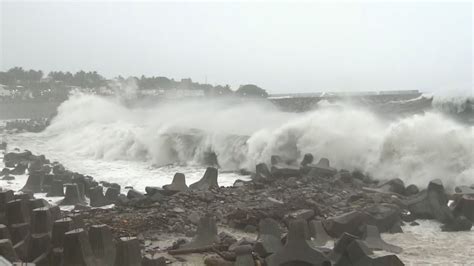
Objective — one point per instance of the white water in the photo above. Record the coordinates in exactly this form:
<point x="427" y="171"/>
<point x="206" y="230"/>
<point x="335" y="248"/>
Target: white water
<point x="102" y="138"/>
<point x="92" y="133"/>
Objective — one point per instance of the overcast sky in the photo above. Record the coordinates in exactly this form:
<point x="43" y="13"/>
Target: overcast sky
<point x="282" y="47"/>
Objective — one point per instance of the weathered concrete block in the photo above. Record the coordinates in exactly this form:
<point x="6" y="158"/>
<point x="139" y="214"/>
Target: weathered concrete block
<point x="206" y="234"/>
<point x="72" y="196"/>
<point x="60" y="227"/>
<point x="17" y="212"/>
<point x="208" y="181"/>
<point x="268" y="240"/>
<point x="285" y="171"/>
<point x="322" y="168"/>
<point x="77" y="250"/>
<point x="97" y="198"/>
<point x="41" y="221"/>
<point x="102" y="244"/>
<point x="244" y="256"/>
<point x="317" y="231"/>
<point x="112" y="194"/>
<point x="465" y="206"/>
<point x="4" y="232"/>
<point x="19" y="232"/>
<point x="374" y="241"/>
<point x="297" y="249"/>
<point x="178" y="183"/>
<point x="7" y="250"/>
<point x="128" y="252"/>
<point x="38" y="245"/>
<point x="34" y="182"/>
<point x="262" y="173"/>
<point x="56" y="189"/>
<point x="5" y="197"/>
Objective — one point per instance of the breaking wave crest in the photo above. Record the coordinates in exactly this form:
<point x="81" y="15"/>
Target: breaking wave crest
<point x="238" y="134"/>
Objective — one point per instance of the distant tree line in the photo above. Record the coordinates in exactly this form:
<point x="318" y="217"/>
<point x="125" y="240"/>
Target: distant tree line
<point x="59" y="83"/>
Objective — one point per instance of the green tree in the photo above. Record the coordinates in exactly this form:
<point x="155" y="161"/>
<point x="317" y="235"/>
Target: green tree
<point x="251" y="90"/>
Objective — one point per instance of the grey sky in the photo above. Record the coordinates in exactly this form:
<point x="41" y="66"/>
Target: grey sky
<point x="282" y="47"/>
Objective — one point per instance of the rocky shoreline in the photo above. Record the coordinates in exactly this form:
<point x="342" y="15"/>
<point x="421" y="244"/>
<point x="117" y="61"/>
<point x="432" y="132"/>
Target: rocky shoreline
<point x="289" y="213"/>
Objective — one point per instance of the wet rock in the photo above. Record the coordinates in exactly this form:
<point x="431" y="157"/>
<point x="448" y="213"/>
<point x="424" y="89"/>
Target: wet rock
<point x="297" y="249"/>
<point x="357" y="253"/>
<point x="307" y="159"/>
<point x="209" y="180"/>
<point x="112" y="194"/>
<point x="411" y="190"/>
<point x="305" y="214"/>
<point x="431" y="203"/>
<point x="459" y="223"/>
<point x="395" y="185"/>
<point x="465" y="206"/>
<point x="135" y="194"/>
<point x="262" y="173"/>
<point x="178" y="183"/>
<point x="128" y="252"/>
<point x="351" y="223"/>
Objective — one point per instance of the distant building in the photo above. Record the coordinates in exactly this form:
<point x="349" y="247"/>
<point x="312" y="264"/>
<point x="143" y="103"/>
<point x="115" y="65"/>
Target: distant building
<point x="180" y="93"/>
<point x="4" y="91"/>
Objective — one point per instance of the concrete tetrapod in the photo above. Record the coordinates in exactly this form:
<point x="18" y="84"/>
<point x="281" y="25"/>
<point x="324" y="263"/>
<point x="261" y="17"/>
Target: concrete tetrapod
<point x="208" y="181"/>
<point x="356" y="253"/>
<point x="322" y="168"/>
<point x="38" y="245"/>
<point x="102" y="244"/>
<point x="297" y="249"/>
<point x="374" y="240"/>
<point x="97" y="197"/>
<point x="128" y="252"/>
<point x="268" y="240"/>
<point x="56" y="189"/>
<point x="60" y="227"/>
<point x="41" y="221"/>
<point x="318" y="232"/>
<point x="7" y="251"/>
<point x="206" y="234"/>
<point x="244" y="256"/>
<point x="34" y="182"/>
<point x="4" y="232"/>
<point x="19" y="232"/>
<point x="17" y="212"/>
<point x="178" y="183"/>
<point x="150" y="260"/>
<point x="72" y="196"/>
<point x="77" y="250"/>
<point x="112" y="194"/>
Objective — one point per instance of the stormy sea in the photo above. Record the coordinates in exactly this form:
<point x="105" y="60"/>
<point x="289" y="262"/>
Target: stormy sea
<point x="139" y="145"/>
